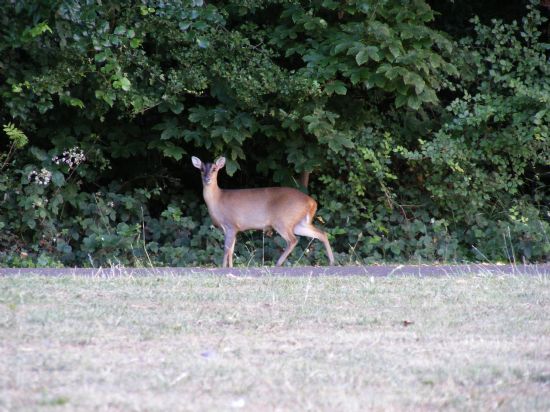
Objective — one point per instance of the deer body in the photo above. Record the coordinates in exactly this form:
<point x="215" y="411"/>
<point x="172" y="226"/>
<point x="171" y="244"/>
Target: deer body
<point x="288" y="211"/>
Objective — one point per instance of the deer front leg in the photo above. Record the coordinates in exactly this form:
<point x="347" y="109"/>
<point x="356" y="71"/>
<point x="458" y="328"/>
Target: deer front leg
<point x="229" y="246"/>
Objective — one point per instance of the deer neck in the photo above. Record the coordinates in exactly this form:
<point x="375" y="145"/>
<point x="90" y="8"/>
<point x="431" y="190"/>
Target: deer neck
<point x="211" y="194"/>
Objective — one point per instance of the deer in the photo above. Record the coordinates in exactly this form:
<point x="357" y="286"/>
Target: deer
<point x="286" y="210"/>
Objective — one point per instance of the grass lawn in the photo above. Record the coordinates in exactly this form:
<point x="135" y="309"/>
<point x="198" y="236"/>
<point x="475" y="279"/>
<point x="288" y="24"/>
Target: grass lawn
<point x="274" y="343"/>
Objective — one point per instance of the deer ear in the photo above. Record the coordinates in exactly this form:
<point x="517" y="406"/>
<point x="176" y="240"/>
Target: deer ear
<point x="220" y="162"/>
<point x="196" y="162"/>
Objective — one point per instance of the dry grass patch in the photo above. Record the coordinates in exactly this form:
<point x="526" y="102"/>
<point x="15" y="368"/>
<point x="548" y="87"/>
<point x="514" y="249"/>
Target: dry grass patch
<point x="274" y="343"/>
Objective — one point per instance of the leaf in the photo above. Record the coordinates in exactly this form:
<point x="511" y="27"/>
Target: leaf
<point x="415" y="80"/>
<point x="120" y="30"/>
<point x="176" y="108"/>
<point x="184" y="25"/>
<point x="373" y="53"/>
<point x="341" y="47"/>
<point x="380" y="30"/>
<point x="37" y="30"/>
<point x="401" y="100"/>
<point x="73" y="101"/>
<point x="419" y="86"/>
<point x="173" y="151"/>
<point x="231" y="167"/>
<point x="135" y="43"/>
<point x="428" y="95"/>
<point x="101" y="57"/>
<point x="124" y="83"/>
<point x="337" y="87"/>
<point x="17" y="136"/>
<point x="435" y="60"/>
<point x="58" y="178"/>
<point x="362" y="57"/>
<point x="414" y="102"/>
<point x="39" y="154"/>
<point x="330" y="4"/>
<point x="31" y="223"/>
<point x="355" y="77"/>
<point x="108" y="98"/>
<point x="202" y="42"/>
<point x="313" y="57"/>
<point x="392" y="73"/>
<point x="169" y="133"/>
<point x="395" y="50"/>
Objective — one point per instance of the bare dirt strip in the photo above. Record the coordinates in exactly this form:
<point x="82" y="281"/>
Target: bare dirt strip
<point x="542" y="269"/>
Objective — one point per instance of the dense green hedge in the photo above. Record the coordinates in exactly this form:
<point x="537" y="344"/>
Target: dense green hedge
<point x="420" y="146"/>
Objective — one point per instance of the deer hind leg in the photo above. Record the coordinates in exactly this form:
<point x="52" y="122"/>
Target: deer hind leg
<point x="229" y="246"/>
<point x="291" y="243"/>
<point x="305" y="228"/>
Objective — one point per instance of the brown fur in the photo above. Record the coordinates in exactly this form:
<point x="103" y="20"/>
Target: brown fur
<point x="288" y="211"/>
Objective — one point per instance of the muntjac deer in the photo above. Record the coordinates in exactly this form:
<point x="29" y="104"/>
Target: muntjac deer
<point x="288" y="211"/>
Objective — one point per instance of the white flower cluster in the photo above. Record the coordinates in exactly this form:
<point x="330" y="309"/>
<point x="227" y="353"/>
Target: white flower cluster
<point x="42" y="178"/>
<point x="72" y="157"/>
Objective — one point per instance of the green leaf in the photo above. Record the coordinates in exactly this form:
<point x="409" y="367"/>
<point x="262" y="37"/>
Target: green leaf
<point x="107" y="97"/>
<point x="330" y="4"/>
<point x="125" y="84"/>
<point x="120" y="30"/>
<point x="231" y="167"/>
<point x="362" y="57"/>
<point x="414" y="102"/>
<point x="135" y="43"/>
<point x="37" y="30"/>
<point x="122" y="83"/>
<point x="184" y="25"/>
<point x="373" y="53"/>
<point x="17" y="136"/>
<point x="58" y="178"/>
<point x="169" y="133"/>
<point x="173" y="151"/>
<point x="31" y="223"/>
<point x="400" y="100"/>
<point x="203" y="43"/>
<point x="102" y="56"/>
<point x="428" y="95"/>
<point x="341" y="47"/>
<point x="355" y="77"/>
<point x="419" y="86"/>
<point x="415" y="80"/>
<point x="39" y="154"/>
<point x="395" y="50"/>
<point x="73" y="101"/>
<point x="337" y="87"/>
<point x="176" y="108"/>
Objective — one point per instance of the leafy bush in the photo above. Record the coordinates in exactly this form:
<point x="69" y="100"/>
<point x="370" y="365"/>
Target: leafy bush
<point x="474" y="186"/>
<point x="419" y="147"/>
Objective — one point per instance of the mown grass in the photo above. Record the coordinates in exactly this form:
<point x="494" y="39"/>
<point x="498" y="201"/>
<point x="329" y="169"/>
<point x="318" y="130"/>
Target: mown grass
<point x="274" y="343"/>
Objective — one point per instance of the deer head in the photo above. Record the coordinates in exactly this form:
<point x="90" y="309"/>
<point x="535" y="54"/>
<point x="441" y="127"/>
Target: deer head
<point x="209" y="171"/>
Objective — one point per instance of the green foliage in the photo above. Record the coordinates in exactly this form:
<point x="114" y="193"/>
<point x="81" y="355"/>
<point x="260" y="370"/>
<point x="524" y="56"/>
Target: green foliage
<point x="476" y="185"/>
<point x="16" y="136"/>
<point x="497" y="132"/>
<point x="420" y="146"/>
<point x="370" y="48"/>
